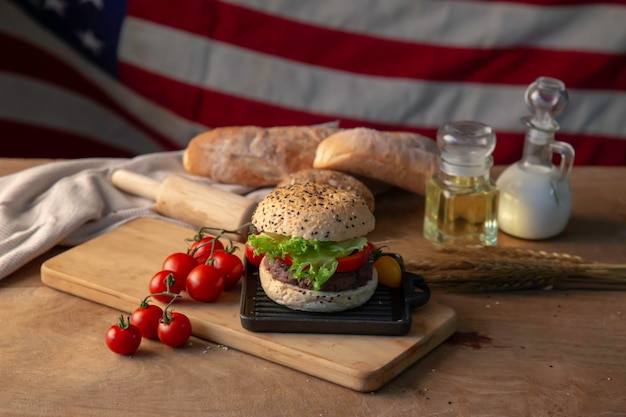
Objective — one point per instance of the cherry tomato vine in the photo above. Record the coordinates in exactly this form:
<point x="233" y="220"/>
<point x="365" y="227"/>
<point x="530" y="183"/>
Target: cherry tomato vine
<point x="207" y="268"/>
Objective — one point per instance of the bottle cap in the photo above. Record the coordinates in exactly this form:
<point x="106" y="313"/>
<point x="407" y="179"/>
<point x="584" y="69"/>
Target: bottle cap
<point x="465" y="148"/>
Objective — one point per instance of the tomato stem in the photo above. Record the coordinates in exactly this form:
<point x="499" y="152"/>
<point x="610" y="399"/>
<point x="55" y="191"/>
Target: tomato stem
<point x="167" y="311"/>
<point x="124" y="324"/>
<point x="202" y="245"/>
<point x="169" y="281"/>
<point x="145" y="302"/>
<point x="221" y="232"/>
<point x="201" y="233"/>
<point x="167" y="315"/>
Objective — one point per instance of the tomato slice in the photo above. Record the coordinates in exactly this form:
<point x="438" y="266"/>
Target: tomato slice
<point x="287" y="260"/>
<point x="352" y="262"/>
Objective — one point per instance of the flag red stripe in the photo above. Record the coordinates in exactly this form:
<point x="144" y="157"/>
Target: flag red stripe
<point x="30" y="141"/>
<point x="557" y="2"/>
<point x="232" y="111"/>
<point x="41" y="65"/>
<point x="374" y="56"/>
<point x="590" y="150"/>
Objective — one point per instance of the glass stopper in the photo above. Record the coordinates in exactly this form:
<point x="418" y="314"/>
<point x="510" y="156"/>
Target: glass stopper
<point x="546" y="97"/>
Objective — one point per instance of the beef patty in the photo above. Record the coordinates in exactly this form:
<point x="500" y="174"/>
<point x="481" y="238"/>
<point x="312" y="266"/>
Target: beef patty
<point x="340" y="281"/>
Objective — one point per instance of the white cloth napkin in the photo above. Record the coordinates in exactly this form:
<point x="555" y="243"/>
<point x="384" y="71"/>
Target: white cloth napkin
<point x="69" y="202"/>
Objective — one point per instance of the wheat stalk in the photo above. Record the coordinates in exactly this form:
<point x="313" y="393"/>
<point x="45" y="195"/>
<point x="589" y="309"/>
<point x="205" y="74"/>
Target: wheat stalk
<point x="506" y="269"/>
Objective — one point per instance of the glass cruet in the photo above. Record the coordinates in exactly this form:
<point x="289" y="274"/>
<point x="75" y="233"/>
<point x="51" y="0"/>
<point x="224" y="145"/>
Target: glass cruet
<point x="535" y="195"/>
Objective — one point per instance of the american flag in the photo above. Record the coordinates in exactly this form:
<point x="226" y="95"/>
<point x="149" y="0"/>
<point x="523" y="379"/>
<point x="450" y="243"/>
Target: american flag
<point x="126" y="77"/>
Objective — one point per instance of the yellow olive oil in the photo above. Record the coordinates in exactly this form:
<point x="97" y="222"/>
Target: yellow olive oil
<point x="463" y="211"/>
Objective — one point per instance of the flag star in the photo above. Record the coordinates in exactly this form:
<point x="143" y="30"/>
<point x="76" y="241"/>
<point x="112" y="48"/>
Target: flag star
<point x="97" y="3"/>
<point x="90" y="42"/>
<point x="56" y="5"/>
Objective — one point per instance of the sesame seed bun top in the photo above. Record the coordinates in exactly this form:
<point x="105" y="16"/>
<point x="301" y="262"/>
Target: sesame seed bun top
<point x="335" y="178"/>
<point x="314" y="211"/>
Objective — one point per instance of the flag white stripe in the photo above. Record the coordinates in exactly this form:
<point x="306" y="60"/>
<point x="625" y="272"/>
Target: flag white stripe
<point x="463" y="23"/>
<point x="252" y="75"/>
<point x="16" y="23"/>
<point x="29" y="101"/>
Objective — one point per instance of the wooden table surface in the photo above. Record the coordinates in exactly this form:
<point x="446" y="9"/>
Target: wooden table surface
<point x="525" y="353"/>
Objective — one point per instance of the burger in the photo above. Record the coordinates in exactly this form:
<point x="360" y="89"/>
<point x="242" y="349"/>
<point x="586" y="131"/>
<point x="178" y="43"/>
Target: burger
<point x="316" y="256"/>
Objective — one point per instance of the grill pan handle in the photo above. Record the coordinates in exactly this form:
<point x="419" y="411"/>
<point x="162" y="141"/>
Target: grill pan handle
<point x="416" y="291"/>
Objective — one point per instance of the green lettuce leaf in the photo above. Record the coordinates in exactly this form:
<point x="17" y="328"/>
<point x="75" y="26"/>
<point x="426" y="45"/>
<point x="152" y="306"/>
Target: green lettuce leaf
<point x="313" y="260"/>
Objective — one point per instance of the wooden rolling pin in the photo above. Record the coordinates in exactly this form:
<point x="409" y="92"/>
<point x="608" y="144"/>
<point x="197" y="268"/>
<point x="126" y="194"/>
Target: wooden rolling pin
<point x="190" y="201"/>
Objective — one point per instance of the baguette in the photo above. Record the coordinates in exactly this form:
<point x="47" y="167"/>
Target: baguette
<point x="403" y="159"/>
<point x="251" y="155"/>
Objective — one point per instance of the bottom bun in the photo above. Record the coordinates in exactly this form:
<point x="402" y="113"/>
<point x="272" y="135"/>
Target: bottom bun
<point x="302" y="299"/>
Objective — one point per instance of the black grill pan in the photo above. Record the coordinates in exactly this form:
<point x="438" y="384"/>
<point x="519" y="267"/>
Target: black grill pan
<point x="388" y="312"/>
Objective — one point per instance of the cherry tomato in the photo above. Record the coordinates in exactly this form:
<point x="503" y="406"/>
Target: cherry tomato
<point x="123" y="338"/>
<point x="205" y="283"/>
<point x="180" y="263"/>
<point x="230" y="265"/>
<point x="175" y="330"/>
<point x="389" y="271"/>
<point x="146" y="317"/>
<point x="158" y="285"/>
<point x="251" y="257"/>
<point x="201" y="249"/>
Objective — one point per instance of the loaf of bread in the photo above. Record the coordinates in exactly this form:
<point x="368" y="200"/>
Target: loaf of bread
<point x="262" y="157"/>
<point x="251" y="155"/>
<point x="403" y="159"/>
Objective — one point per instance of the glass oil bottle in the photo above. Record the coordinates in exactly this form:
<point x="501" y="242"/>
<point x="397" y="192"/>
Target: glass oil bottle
<point x="461" y="199"/>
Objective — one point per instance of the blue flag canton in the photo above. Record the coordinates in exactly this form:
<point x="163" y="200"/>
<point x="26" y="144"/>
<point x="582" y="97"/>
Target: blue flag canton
<point x="91" y="27"/>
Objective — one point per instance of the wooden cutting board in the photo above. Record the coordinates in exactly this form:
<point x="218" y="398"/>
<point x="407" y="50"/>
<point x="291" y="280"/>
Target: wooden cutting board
<point x="114" y="269"/>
